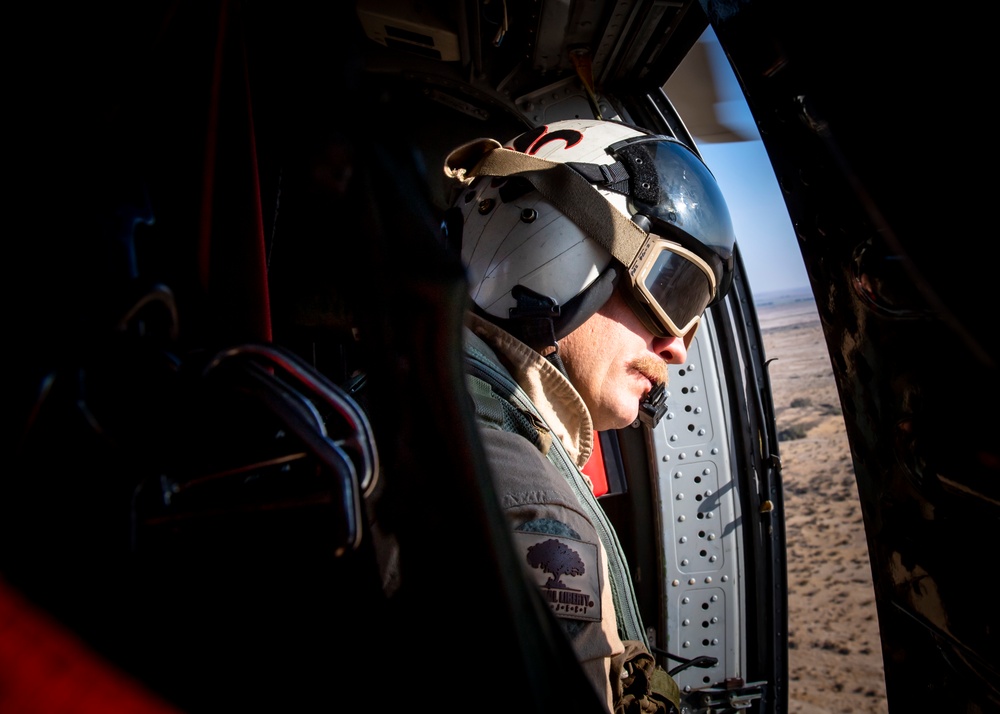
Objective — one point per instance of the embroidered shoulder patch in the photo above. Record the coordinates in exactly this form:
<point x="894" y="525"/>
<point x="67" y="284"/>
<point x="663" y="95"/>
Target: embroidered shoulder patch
<point x="566" y="570"/>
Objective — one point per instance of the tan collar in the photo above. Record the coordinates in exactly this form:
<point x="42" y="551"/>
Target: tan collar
<point x="558" y="402"/>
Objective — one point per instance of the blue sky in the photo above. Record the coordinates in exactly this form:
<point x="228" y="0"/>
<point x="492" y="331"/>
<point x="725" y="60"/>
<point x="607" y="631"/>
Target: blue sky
<point x="763" y="229"/>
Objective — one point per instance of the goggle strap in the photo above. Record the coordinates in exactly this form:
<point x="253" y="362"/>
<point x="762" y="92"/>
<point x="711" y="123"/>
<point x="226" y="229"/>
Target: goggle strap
<point x="612" y="177"/>
<point x="572" y="194"/>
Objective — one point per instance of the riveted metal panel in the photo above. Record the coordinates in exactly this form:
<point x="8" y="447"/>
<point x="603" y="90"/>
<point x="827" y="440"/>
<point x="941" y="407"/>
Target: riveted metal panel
<point x="700" y="514"/>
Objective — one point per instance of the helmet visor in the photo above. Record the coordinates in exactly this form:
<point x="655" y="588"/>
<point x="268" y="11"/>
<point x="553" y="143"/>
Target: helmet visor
<point x="673" y="285"/>
<point x="678" y="197"/>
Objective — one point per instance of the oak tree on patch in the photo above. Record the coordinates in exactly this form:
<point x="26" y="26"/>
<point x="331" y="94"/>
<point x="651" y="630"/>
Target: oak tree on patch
<point x="557" y="559"/>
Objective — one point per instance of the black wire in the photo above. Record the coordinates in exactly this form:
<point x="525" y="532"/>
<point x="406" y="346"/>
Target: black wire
<point x="702" y="662"/>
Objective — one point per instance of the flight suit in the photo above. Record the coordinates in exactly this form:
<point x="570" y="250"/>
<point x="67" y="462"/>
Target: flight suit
<point x="552" y="510"/>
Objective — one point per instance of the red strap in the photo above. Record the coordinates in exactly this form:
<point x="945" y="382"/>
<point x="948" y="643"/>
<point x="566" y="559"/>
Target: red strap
<point x="232" y="261"/>
<point x="45" y="669"/>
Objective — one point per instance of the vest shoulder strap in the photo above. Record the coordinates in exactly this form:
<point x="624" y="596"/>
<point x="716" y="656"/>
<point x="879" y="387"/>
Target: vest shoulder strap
<point x="496" y="412"/>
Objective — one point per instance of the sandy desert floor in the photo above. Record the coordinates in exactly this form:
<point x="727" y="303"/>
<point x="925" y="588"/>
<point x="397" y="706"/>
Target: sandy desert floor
<point x="835" y="658"/>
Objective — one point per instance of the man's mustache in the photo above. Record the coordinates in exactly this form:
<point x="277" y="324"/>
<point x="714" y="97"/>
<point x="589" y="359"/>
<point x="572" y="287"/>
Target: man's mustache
<point x="653" y="367"/>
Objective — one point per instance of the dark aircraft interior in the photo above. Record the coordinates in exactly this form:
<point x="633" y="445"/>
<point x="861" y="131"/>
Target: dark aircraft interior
<point x="234" y="343"/>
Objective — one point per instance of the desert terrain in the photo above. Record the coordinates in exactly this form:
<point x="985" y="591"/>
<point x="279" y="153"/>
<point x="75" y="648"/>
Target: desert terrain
<point x="834" y="657"/>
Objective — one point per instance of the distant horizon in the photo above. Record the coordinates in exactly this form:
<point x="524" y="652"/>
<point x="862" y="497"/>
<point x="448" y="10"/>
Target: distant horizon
<point x="768" y="297"/>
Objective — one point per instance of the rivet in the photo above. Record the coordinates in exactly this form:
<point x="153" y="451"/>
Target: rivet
<point x="485" y="206"/>
<point x="528" y="215"/>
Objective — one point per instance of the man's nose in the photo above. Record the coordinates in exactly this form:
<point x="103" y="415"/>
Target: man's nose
<point x="671" y="349"/>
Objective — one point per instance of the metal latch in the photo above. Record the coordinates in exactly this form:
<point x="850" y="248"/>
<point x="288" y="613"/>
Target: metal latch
<point x="738" y="698"/>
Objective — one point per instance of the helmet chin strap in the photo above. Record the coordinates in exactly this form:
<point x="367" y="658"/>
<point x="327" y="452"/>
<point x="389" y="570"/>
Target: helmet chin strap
<point x="533" y="322"/>
<point x="578" y="310"/>
<point x="540" y="323"/>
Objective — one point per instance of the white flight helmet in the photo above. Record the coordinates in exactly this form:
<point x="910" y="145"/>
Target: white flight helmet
<point x="554" y="218"/>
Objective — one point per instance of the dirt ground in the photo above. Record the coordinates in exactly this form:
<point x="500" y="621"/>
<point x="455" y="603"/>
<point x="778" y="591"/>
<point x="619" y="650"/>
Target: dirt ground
<point x="835" y="657"/>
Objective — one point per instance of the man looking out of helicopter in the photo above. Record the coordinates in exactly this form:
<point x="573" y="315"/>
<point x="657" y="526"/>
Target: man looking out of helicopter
<point x="592" y="249"/>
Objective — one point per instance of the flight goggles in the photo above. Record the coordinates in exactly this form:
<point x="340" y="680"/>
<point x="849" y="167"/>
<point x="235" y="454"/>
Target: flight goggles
<point x="685" y="263"/>
<point x="669" y="288"/>
<point x="678" y="246"/>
